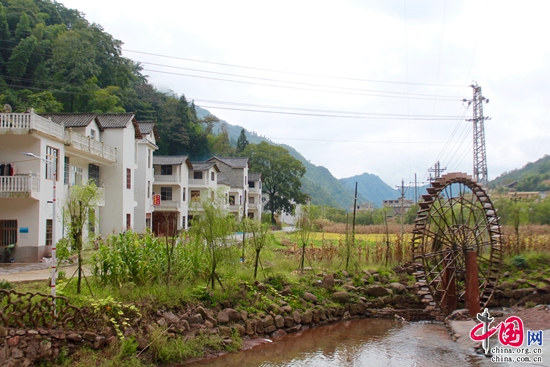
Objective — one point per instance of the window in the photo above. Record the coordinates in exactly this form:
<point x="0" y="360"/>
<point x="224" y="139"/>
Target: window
<point x="197" y="175"/>
<point x="128" y="221"/>
<point x="166" y="193"/>
<point x="251" y="199"/>
<point x="148" y="189"/>
<point x="93" y="173"/>
<point x="52" y="155"/>
<point x="149" y="158"/>
<point x="49" y="227"/>
<point x="183" y="189"/>
<point x="251" y="184"/>
<point x="67" y="171"/>
<point x="8" y="232"/>
<point x="231" y="199"/>
<point x="195" y="195"/>
<point x="183" y="221"/>
<point x="240" y="199"/>
<point x="92" y="135"/>
<point x="166" y="170"/>
<point x="212" y="176"/>
<point x="128" y="178"/>
<point x="77" y="175"/>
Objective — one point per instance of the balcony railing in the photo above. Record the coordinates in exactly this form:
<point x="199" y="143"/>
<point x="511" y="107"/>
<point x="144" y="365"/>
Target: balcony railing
<point x="19" y="185"/>
<point x="23" y="123"/>
<point x="89" y="145"/>
<point x="169" y="204"/>
<point x="167" y="178"/>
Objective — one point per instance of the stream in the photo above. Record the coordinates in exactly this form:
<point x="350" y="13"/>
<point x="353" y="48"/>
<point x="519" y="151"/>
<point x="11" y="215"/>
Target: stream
<point x="365" y="342"/>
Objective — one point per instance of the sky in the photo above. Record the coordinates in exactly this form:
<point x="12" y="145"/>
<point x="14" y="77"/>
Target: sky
<point x="354" y="86"/>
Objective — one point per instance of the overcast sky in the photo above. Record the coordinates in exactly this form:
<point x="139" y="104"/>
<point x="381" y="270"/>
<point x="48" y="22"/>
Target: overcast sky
<point x="354" y="86"/>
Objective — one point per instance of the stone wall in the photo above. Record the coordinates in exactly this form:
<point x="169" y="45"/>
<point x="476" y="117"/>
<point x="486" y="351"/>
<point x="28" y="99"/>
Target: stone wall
<point x="21" y="348"/>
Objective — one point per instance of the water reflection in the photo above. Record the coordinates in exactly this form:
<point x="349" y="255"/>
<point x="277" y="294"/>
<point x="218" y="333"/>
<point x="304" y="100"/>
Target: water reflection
<point x="367" y="342"/>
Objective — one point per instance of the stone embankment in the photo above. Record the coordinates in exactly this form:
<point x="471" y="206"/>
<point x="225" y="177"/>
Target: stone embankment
<point x="325" y="298"/>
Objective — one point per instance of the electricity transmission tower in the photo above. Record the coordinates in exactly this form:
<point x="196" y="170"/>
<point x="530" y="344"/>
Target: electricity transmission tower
<point x="480" y="156"/>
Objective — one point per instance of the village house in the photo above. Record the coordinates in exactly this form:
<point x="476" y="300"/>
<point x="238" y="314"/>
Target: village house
<point x="42" y="156"/>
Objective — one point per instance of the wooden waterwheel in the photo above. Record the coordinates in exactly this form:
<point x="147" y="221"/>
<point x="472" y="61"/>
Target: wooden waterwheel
<point x="457" y="245"/>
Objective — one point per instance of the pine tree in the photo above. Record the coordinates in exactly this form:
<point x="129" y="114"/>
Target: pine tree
<point x="242" y="142"/>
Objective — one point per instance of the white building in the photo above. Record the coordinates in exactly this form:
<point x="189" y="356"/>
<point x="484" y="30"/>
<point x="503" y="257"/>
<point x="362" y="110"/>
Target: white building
<point x="144" y="176"/>
<point x="171" y="182"/>
<point x="78" y="148"/>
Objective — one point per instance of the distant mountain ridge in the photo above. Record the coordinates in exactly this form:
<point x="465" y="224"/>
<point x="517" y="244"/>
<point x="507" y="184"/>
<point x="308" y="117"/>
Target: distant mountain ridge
<point x="534" y="176"/>
<point x="322" y="187"/>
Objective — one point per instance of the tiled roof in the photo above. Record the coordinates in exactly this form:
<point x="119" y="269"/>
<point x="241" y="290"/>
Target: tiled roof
<point x="115" y="120"/>
<point x="147" y="127"/>
<point x="203" y="166"/>
<point x="235" y="162"/>
<point x="172" y="160"/>
<point x="71" y="119"/>
<point x="253" y="176"/>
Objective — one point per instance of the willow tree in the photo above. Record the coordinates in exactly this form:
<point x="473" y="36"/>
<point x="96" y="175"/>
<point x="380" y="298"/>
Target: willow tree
<point x="79" y="211"/>
<point x="212" y="226"/>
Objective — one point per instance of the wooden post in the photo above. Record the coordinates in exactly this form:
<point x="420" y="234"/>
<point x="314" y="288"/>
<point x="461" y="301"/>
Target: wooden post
<point x="472" y="283"/>
<point x="449" y="301"/>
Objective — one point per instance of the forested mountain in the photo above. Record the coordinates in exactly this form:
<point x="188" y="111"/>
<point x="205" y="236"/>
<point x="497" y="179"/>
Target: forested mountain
<point x="53" y="60"/>
<point x="532" y="177"/>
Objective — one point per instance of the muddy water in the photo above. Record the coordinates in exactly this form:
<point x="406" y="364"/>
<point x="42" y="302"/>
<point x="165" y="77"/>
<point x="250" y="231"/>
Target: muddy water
<point x="367" y="342"/>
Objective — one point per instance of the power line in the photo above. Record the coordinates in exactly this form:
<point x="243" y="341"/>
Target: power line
<point x="302" y="83"/>
<point x="290" y="72"/>
<point x="291" y="87"/>
<point x="330" y="115"/>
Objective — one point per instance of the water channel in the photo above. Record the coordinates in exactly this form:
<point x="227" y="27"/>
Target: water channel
<point x="365" y="342"/>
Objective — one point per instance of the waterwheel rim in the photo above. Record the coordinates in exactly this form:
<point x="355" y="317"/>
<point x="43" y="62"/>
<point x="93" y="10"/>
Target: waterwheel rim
<point x="456" y="216"/>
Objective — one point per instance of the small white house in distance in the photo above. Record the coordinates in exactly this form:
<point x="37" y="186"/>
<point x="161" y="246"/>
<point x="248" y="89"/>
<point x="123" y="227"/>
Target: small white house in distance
<point x="234" y="174"/>
<point x="255" y="204"/>
<point x="203" y="183"/>
<point x="171" y="184"/>
<point x="144" y="177"/>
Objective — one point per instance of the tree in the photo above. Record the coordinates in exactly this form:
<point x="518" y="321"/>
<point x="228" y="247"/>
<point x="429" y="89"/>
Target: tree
<point x="212" y="227"/>
<point x="281" y="174"/>
<point x="242" y="142"/>
<point x="79" y="211"/>
<point x="258" y="238"/>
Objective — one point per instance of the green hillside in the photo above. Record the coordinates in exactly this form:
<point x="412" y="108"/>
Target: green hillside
<point x="371" y="187"/>
<point x="534" y="176"/>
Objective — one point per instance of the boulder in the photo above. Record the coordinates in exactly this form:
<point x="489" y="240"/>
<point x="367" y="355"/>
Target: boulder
<point x="397" y="287"/>
<point x="328" y="281"/>
<point x="234" y="315"/>
<point x="377" y="291"/>
<point x="341" y="297"/>
<point x="310" y="297"/>
<point x="223" y="317"/>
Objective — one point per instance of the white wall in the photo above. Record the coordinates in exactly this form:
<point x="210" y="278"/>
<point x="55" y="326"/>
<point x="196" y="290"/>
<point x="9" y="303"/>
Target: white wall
<point x="119" y="200"/>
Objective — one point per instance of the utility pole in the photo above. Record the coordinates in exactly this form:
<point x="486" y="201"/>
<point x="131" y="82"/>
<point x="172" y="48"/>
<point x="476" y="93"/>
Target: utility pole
<point x="416" y="183"/>
<point x="402" y="188"/>
<point x="437" y="170"/>
<point x="480" y="157"/>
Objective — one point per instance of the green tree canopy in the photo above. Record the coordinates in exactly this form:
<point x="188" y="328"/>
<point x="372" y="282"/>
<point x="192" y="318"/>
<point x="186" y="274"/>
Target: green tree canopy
<point x="281" y="174"/>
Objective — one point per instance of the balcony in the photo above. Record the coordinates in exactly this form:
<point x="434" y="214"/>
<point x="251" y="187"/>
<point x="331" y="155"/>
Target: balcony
<point x="26" y="123"/>
<point x="19" y="186"/>
<point x="168" y="205"/>
<point x="175" y="179"/>
<point x="90" y="146"/>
